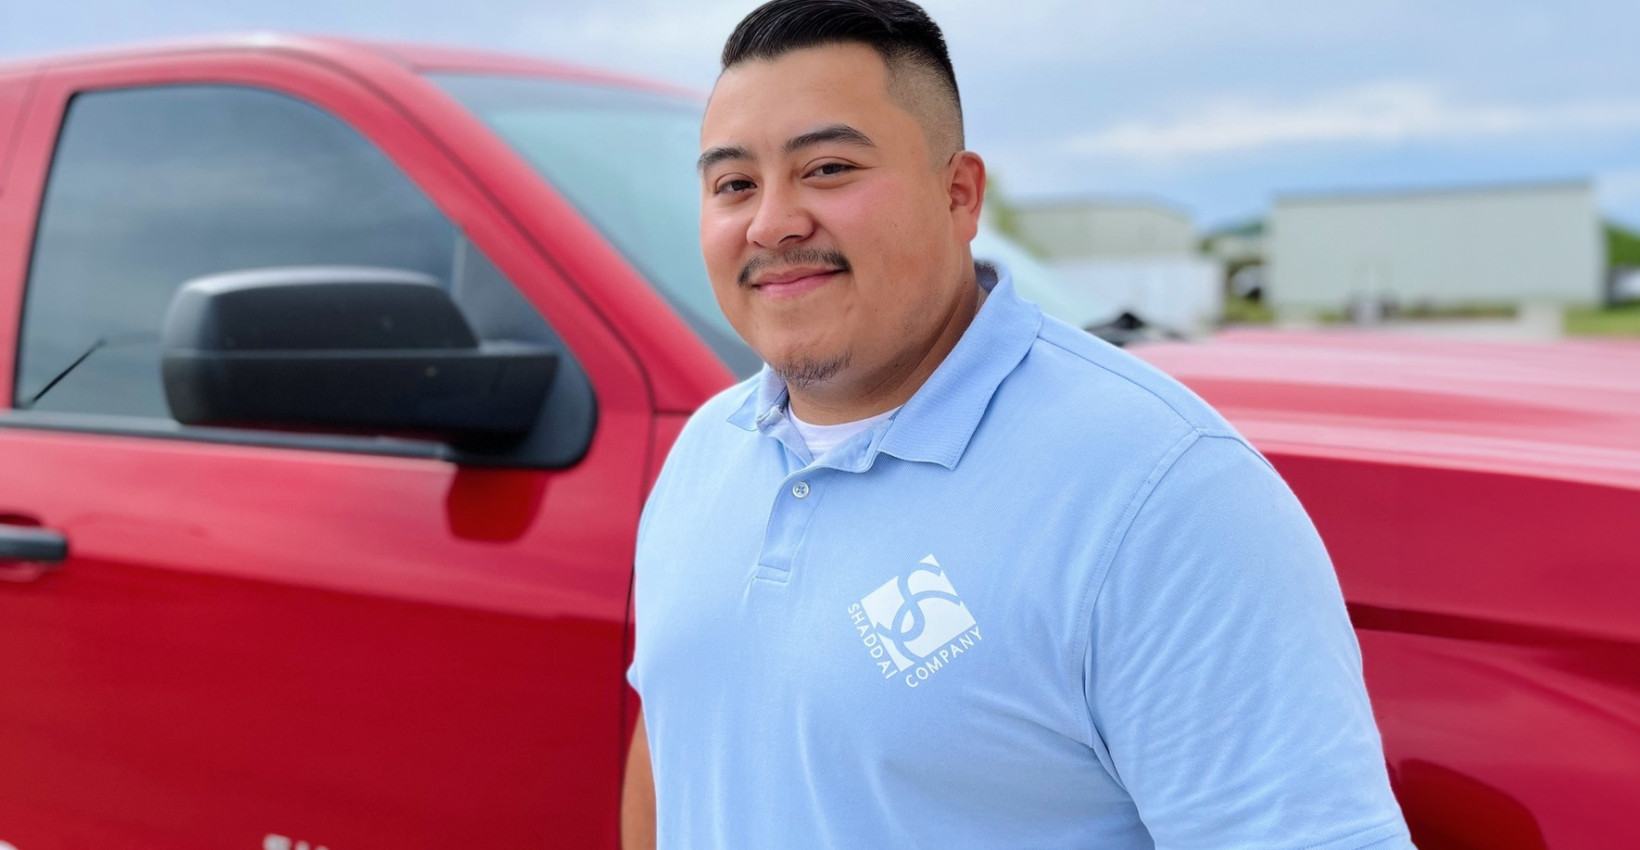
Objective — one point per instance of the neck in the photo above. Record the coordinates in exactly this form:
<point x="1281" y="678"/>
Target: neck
<point x="850" y="398"/>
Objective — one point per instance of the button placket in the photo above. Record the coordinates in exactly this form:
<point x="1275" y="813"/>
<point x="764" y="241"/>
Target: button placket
<point x="789" y="519"/>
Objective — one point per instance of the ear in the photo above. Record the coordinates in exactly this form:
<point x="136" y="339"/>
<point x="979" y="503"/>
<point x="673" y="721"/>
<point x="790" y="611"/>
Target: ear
<point x="965" y="184"/>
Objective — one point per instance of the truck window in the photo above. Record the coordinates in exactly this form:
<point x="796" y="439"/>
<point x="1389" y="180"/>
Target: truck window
<point x="626" y="159"/>
<point x="152" y="187"/>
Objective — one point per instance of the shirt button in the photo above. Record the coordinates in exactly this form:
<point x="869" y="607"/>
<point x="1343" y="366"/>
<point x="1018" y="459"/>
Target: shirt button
<point x="800" y="489"/>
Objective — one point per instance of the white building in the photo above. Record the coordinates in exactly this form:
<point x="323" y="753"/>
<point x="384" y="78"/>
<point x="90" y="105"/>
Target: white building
<point x="1524" y="243"/>
<point x="1089" y="229"/>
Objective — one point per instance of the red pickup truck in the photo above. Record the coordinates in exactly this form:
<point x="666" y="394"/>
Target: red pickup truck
<point x="350" y="625"/>
<point x="391" y="611"/>
<point x="1481" y="503"/>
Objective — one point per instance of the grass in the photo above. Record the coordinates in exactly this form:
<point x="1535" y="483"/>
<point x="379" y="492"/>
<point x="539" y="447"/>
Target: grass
<point x="1246" y="311"/>
<point x="1622" y="320"/>
<point x="1622" y="246"/>
<point x="1479" y="310"/>
<point x="1425" y="311"/>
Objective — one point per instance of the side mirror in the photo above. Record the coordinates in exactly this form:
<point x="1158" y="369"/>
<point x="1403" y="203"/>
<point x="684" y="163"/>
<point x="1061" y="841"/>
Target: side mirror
<point x="344" y="348"/>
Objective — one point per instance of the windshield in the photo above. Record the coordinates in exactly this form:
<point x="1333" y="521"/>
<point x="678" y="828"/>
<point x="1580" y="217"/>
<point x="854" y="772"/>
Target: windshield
<point x="626" y="159"/>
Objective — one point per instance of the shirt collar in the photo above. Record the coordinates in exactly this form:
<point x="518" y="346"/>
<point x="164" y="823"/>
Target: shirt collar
<point x="766" y="402"/>
<point x="936" y="424"/>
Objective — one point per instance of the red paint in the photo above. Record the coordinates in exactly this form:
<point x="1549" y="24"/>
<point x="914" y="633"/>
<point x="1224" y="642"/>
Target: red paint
<point x="354" y="651"/>
<point x="1481" y="503"/>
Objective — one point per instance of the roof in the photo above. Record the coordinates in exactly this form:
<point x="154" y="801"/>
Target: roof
<point x="1375" y="196"/>
<point x="1251" y="228"/>
<point x="1111" y="202"/>
<point x="1565" y="410"/>
<point x="414" y="57"/>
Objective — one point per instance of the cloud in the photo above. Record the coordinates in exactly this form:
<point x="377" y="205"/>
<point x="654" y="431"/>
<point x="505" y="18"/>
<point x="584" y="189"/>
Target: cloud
<point x="1117" y="32"/>
<point x="1382" y="113"/>
<point x="672" y="41"/>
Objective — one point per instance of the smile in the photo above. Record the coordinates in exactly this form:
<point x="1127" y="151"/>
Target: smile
<point x="795" y="283"/>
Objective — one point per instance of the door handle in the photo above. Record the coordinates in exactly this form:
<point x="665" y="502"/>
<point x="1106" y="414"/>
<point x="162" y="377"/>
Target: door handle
<point x="40" y="546"/>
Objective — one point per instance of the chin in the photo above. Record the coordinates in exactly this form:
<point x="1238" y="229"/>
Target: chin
<point x="808" y="371"/>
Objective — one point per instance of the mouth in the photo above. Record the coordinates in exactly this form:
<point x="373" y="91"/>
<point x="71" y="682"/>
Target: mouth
<point x="793" y="282"/>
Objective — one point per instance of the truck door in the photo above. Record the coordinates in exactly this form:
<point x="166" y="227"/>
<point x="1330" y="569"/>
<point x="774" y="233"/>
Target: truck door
<point x="271" y="639"/>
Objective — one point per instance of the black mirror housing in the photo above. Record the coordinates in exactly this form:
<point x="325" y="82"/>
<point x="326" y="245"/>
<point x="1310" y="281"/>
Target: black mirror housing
<point x="346" y="348"/>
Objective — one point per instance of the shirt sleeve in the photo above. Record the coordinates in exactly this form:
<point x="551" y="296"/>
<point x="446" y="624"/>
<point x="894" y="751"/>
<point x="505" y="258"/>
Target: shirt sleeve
<point x="1222" y="674"/>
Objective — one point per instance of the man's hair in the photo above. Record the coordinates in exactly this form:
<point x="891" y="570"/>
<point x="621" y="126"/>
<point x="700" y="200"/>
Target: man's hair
<point x="909" y="42"/>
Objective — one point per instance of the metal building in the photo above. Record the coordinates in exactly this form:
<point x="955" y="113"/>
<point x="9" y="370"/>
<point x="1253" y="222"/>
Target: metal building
<point x="1504" y="244"/>
<point x="1087" y="229"/>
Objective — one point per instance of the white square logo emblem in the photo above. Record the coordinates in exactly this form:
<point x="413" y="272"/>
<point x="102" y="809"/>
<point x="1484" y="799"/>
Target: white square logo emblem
<point x="915" y="620"/>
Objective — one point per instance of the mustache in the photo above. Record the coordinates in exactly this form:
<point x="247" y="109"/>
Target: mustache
<point x="793" y="257"/>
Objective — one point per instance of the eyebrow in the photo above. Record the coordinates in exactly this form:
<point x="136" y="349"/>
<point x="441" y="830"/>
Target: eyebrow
<point x="831" y="133"/>
<point x="713" y="156"/>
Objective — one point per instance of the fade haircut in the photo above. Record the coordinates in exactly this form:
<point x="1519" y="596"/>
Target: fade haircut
<point x="920" y="77"/>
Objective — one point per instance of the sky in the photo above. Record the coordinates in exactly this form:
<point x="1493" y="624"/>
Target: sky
<point x="1214" y="107"/>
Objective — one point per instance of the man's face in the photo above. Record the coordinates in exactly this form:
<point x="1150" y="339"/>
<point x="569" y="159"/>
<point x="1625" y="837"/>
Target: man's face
<point x="828" y="228"/>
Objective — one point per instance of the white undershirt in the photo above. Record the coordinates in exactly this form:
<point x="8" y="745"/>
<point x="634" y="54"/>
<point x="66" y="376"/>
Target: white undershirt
<point x="823" y="438"/>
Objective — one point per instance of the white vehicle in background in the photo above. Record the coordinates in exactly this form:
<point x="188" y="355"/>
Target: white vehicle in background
<point x="1035" y="282"/>
<point x="1625" y="286"/>
<point x="1038" y="283"/>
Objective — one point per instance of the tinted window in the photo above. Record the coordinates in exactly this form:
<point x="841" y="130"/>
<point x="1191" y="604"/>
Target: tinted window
<point x="626" y="159"/>
<point x="152" y="187"/>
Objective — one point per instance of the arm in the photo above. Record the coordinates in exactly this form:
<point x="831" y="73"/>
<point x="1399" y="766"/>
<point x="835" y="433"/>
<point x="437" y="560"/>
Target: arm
<point x="638" y="794"/>
<point x="1222" y="673"/>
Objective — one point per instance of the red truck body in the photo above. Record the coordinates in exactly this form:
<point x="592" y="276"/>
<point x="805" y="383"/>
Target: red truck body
<point x="344" y="649"/>
<point x="1481" y="503"/>
<point x="262" y="642"/>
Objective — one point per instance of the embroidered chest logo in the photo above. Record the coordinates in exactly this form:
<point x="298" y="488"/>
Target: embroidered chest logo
<point x="914" y="625"/>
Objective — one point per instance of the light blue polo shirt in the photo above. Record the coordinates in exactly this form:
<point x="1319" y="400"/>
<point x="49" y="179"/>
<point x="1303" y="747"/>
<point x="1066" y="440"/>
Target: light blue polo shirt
<point x="1055" y="602"/>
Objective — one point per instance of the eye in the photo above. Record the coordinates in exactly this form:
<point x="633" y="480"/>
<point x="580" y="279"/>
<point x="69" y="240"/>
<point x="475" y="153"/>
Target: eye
<point x="731" y="187"/>
<point x="832" y="169"/>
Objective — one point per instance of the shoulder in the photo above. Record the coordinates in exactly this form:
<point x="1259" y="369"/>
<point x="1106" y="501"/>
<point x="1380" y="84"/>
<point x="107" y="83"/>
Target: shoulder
<point x="708" y="436"/>
<point x="713" y="418"/>
<point x="1115" y="380"/>
<point x="1075" y="393"/>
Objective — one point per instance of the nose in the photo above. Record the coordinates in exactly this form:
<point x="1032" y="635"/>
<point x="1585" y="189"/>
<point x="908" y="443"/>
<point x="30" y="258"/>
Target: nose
<point x="780" y="218"/>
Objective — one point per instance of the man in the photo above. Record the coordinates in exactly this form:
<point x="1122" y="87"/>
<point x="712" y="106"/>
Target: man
<point x="949" y="574"/>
